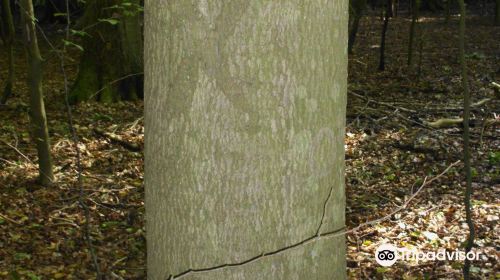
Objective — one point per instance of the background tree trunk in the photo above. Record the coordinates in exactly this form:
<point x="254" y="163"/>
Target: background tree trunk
<point x="245" y="118"/>
<point x="395" y="8"/>
<point x="357" y="7"/>
<point x="37" y="107"/>
<point x="8" y="33"/>
<point x="413" y="30"/>
<point x="467" y="156"/>
<point x="447" y="10"/>
<point x="387" y="15"/>
<point x="111" y="64"/>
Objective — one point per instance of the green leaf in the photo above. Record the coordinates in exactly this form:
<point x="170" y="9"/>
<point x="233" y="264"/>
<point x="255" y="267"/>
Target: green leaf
<point x="415" y="234"/>
<point x="474" y="172"/>
<point x="110" y="224"/>
<point x="382" y="270"/>
<point x="69" y="43"/>
<point x="494" y="157"/>
<point x="21" y="256"/>
<point x="475" y="269"/>
<point x="80" y="33"/>
<point x="390" y="177"/>
<point x="33" y="276"/>
<point x="111" y="21"/>
<point x="35" y="226"/>
<point x="104" y="117"/>
<point x="14" y="275"/>
<point x="60" y="14"/>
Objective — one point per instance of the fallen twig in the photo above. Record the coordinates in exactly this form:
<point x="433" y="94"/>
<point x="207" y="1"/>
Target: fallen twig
<point x="382" y="103"/>
<point x="410" y="147"/>
<point x="447" y="123"/>
<point x="9" y="219"/>
<point x="118" y="139"/>
<point x="444" y="123"/>
<point x="476" y="105"/>
<point x="17" y="151"/>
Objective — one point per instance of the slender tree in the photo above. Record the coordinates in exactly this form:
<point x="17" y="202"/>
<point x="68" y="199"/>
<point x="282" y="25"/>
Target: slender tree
<point x="386" y="15"/>
<point x="7" y="33"/>
<point x="40" y="132"/>
<point x="111" y="64"/>
<point x="447" y="9"/>
<point x="413" y="30"/>
<point x="467" y="159"/>
<point x="420" y="56"/>
<point x="357" y="8"/>
<point x="395" y="8"/>
<point x="245" y="115"/>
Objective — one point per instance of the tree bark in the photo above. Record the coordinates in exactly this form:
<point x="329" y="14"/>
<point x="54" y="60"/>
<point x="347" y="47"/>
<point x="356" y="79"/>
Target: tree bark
<point x="8" y="33"/>
<point x="245" y="117"/>
<point x="111" y="64"/>
<point x="40" y="132"/>
<point x="395" y="8"/>
<point x="358" y="7"/>
<point x="387" y="15"/>
<point x="467" y="156"/>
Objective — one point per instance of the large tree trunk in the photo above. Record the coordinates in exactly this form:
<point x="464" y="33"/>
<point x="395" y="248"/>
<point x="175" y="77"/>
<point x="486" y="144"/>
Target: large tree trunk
<point x="7" y="33"/>
<point x="111" y="64"/>
<point x="245" y="115"/>
<point x="40" y="132"/>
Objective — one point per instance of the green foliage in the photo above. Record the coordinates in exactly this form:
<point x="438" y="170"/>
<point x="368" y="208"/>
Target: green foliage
<point x="80" y="33"/>
<point x="112" y="21"/>
<point x="63" y="15"/>
<point x="69" y="43"/>
<point x="494" y="158"/>
<point x="127" y="8"/>
<point x="390" y="177"/>
<point x="22" y="256"/>
<point x="474" y="172"/>
<point x="100" y="117"/>
<point x="33" y="276"/>
<point x="475" y="55"/>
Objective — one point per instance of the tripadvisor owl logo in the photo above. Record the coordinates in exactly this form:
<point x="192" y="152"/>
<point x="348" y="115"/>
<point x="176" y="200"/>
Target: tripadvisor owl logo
<point x="386" y="254"/>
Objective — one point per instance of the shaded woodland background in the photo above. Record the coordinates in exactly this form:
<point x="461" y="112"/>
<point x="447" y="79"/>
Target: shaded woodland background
<point x="392" y="143"/>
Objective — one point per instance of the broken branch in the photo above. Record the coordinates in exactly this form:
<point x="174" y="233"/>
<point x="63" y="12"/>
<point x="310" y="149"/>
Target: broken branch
<point x="118" y="139"/>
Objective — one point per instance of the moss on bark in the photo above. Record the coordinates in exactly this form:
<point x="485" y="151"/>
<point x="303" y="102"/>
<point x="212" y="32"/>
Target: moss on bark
<point x="111" y="65"/>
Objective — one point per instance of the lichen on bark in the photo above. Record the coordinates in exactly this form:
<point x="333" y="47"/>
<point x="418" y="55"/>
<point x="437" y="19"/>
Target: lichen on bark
<point x="245" y="105"/>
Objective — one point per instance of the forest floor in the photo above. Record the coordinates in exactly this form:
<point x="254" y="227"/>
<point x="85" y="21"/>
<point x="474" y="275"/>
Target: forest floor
<point x="390" y="153"/>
